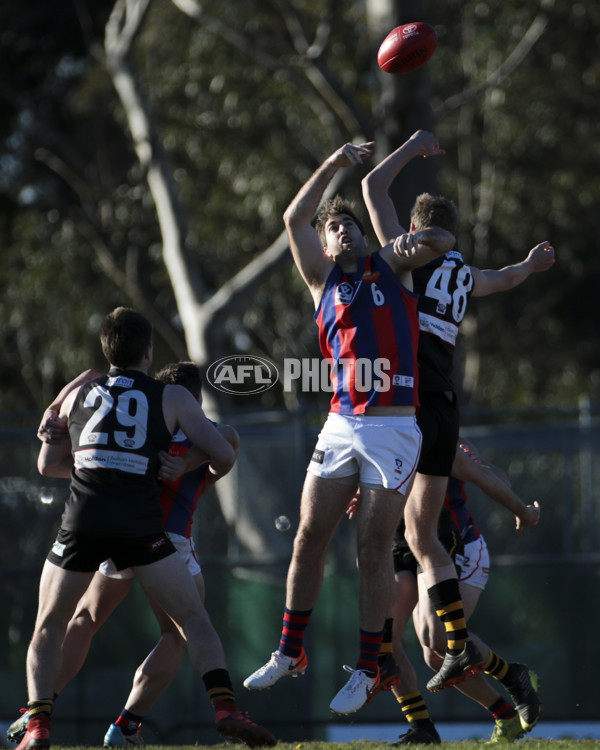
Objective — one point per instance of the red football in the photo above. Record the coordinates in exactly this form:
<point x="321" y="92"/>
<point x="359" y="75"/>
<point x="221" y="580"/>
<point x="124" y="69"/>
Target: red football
<point x="407" y="47"/>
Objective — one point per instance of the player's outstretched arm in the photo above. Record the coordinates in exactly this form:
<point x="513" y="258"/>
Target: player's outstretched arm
<point x="377" y="183"/>
<point x="415" y="248"/>
<point x="468" y="466"/>
<point x="305" y="244"/>
<point x="540" y="258"/>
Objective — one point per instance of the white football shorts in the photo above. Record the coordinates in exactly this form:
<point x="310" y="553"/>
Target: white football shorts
<point x="476" y="564"/>
<point x="185" y="549"/>
<point x="384" y="451"/>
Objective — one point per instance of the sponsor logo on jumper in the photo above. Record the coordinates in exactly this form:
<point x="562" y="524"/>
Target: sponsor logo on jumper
<point x="406" y="381"/>
<point x="120" y="381"/>
<point x="96" y="458"/>
<point x="443" y="329"/>
<point x="398" y="469"/>
<point x="370" y="276"/>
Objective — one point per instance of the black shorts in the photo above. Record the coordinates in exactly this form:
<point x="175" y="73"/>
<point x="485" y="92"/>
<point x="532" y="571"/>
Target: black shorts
<point x="438" y="420"/>
<point x="449" y="536"/>
<point x="85" y="552"/>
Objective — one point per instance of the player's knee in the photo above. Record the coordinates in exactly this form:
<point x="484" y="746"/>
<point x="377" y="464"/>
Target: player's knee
<point x="373" y="552"/>
<point x="175" y="641"/>
<point x="416" y="540"/>
<point x="309" y="542"/>
<point x="423" y="541"/>
<point x="84" y="620"/>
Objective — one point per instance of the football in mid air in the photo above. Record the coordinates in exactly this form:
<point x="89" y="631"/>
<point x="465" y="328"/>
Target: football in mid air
<point x="407" y="47"/>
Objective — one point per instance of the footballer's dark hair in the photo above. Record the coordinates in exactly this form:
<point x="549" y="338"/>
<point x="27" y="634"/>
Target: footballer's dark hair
<point x="125" y="336"/>
<point x="182" y="373"/>
<point x="335" y="207"/>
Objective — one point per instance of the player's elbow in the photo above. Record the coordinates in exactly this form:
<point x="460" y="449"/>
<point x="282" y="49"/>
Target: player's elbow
<point x="292" y="217"/>
<point x="371" y="184"/>
<point x="43" y="468"/>
<point x="444" y="240"/>
<point x="232" y="436"/>
<point x="224" y="458"/>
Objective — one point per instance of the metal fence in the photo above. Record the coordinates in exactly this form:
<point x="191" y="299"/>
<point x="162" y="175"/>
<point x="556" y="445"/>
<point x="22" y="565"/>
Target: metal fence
<point x="540" y="606"/>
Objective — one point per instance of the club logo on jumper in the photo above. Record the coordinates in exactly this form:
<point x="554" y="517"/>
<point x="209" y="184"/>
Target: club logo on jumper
<point x="242" y="375"/>
<point x="398" y="469"/>
<point x="344" y="293"/>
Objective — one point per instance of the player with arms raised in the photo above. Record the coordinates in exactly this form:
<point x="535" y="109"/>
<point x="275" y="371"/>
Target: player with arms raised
<point x="444" y="287"/>
<point x="366" y="315"/>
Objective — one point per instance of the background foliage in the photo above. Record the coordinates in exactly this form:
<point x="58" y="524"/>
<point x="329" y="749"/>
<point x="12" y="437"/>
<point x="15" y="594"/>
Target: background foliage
<point x="245" y="103"/>
<point x="242" y="101"/>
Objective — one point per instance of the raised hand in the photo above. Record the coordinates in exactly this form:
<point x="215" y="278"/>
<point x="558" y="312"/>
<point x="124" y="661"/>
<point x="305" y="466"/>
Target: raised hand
<point x="428" y="144"/>
<point x="352" y="154"/>
<point x="541" y="257"/>
<point x="530" y="517"/>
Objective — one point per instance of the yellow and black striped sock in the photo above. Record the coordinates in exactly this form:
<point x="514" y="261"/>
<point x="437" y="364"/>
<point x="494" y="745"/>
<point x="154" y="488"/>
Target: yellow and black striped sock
<point x="496" y="666"/>
<point x="445" y="597"/>
<point x="413" y="707"/>
<point x="220" y="691"/>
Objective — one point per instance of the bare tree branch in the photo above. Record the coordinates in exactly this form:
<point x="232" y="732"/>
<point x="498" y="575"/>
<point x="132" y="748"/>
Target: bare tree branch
<point x="127" y="281"/>
<point x="122" y="27"/>
<point x="121" y="30"/>
<point x="309" y="61"/>
<point x="512" y="62"/>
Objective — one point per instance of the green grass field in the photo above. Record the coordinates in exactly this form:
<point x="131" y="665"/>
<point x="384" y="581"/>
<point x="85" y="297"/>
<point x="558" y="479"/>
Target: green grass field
<point x="525" y="744"/>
